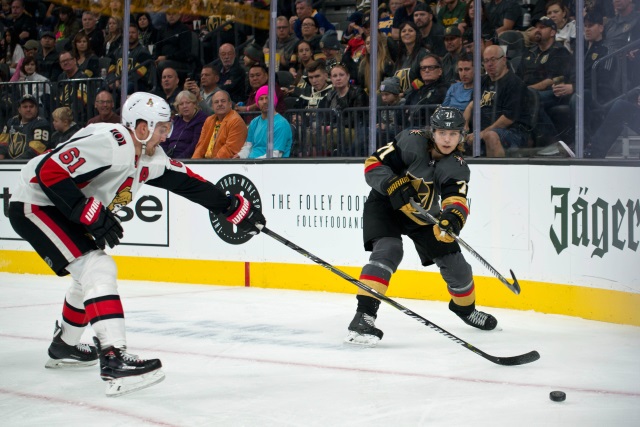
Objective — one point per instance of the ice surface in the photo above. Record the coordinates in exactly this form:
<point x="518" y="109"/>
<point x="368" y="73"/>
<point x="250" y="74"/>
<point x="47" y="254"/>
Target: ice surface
<point x="236" y="356"/>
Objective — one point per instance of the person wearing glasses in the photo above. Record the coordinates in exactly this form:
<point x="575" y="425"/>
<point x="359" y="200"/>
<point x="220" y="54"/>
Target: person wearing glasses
<point x="304" y="9"/>
<point x="505" y="118"/>
<point x="285" y="42"/>
<point x="429" y="89"/>
<point x="104" y="106"/>
<point x="71" y="92"/>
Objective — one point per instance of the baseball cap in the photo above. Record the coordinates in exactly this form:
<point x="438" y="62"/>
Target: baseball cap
<point x="452" y="31"/>
<point x="594" y="18"/>
<point x="47" y="34"/>
<point x="28" y="97"/>
<point x="423" y="7"/>
<point x="546" y="21"/>
<point x="31" y="44"/>
<point x="391" y="85"/>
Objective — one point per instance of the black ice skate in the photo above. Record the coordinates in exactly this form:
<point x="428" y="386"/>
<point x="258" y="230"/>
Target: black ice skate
<point x="480" y="320"/>
<point x="363" y="331"/>
<point x="126" y="372"/>
<point x="63" y="355"/>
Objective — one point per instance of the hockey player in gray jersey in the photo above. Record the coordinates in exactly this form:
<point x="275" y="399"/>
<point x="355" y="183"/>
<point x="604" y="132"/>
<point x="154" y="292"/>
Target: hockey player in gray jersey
<point x="426" y="166"/>
<point x="65" y="206"/>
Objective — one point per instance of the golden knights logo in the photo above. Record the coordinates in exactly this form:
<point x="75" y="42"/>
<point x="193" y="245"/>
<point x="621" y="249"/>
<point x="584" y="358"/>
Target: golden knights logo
<point x="487" y="98"/>
<point x="235" y="184"/>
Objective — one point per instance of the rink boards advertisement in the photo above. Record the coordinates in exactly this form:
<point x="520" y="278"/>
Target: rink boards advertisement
<point x="569" y="233"/>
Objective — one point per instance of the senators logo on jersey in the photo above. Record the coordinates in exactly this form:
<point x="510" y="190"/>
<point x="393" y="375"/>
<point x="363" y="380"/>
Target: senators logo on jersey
<point x="123" y="197"/>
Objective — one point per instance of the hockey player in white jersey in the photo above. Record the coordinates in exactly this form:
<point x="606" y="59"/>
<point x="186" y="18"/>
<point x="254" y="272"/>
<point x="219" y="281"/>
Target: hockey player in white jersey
<point x="65" y="208"/>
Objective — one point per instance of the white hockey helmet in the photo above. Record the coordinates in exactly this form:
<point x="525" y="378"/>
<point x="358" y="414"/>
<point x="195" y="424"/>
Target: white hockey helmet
<point x="145" y="106"/>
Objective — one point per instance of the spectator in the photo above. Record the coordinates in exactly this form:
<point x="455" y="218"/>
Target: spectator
<point x="623" y="111"/>
<point x="504" y="15"/>
<point x="223" y="133"/>
<point x="168" y="89"/>
<point x="158" y="12"/>
<point x="385" y="20"/>
<point x="40" y="88"/>
<point x="13" y="50"/>
<point x="209" y="78"/>
<point x="256" y="145"/>
<point x="356" y="50"/>
<point x="452" y="13"/>
<point x="624" y="27"/>
<point x="302" y="57"/>
<point x="505" y="121"/>
<point x="453" y="44"/>
<point x="410" y="54"/>
<point x="91" y="30"/>
<point x="192" y="15"/>
<point x="30" y="49"/>
<point x="113" y="38"/>
<point x="232" y="76"/>
<point x="431" y="32"/>
<point x="566" y="33"/>
<point x="310" y="98"/>
<point x="67" y="26"/>
<point x="332" y="50"/>
<point x="342" y="96"/>
<point x="23" y="25"/>
<point x="148" y="33"/>
<point x="63" y="125"/>
<point x="461" y="93"/>
<point x="403" y="14"/>
<point x="252" y="55"/>
<point x="429" y="89"/>
<point x="71" y="93"/>
<point x="104" y="106"/>
<point x="187" y="126"/>
<point x="26" y="135"/>
<point x="174" y="49"/>
<point x="384" y="66"/>
<point x="285" y="42"/>
<point x="311" y="34"/>
<point x="140" y="76"/>
<point x="304" y="9"/>
<point x="355" y="28"/>
<point x="258" y="77"/>
<point x="390" y="121"/>
<point x="487" y="31"/>
<point x="48" y="57"/>
<point x="87" y="60"/>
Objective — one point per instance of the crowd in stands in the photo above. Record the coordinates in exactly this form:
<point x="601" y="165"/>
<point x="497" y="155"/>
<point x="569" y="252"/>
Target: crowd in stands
<point x="61" y="68"/>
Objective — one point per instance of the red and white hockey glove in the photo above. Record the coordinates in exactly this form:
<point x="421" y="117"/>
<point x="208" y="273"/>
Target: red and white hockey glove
<point x="244" y="215"/>
<point x="103" y="225"/>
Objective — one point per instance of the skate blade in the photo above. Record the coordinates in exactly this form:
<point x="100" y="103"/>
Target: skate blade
<point x="121" y="386"/>
<point x="361" y="340"/>
<point x="68" y="363"/>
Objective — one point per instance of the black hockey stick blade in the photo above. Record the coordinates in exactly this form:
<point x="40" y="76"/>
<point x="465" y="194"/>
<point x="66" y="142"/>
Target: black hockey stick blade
<point x="514" y="287"/>
<point x="522" y="359"/>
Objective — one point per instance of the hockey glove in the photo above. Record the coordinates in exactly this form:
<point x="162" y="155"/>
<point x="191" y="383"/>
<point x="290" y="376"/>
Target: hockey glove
<point x="244" y="215"/>
<point x="450" y="221"/>
<point x="400" y="192"/>
<point x="103" y="225"/>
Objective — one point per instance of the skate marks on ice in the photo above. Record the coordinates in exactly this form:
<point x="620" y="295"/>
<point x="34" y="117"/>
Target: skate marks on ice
<point x="247" y="356"/>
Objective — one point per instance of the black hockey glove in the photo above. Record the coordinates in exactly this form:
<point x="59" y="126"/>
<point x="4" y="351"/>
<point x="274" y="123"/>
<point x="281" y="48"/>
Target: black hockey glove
<point x="450" y="221"/>
<point x="400" y="192"/>
<point x="103" y="225"/>
<point x="244" y="215"/>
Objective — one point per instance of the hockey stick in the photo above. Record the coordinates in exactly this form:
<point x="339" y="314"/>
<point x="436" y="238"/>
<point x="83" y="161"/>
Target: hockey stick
<point x="515" y="286"/>
<point x="522" y="359"/>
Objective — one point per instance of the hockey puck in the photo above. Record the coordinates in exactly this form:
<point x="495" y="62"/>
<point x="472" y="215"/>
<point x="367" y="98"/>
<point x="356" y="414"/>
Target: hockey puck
<point x="558" y="396"/>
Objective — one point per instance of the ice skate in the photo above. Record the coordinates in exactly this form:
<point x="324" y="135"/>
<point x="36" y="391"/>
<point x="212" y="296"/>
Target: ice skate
<point x="126" y="373"/>
<point x="480" y="320"/>
<point x="362" y="331"/>
<point x="63" y="355"/>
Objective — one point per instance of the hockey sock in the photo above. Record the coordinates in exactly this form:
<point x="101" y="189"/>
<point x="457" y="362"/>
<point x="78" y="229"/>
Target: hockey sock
<point x="368" y="305"/>
<point x="74" y="318"/>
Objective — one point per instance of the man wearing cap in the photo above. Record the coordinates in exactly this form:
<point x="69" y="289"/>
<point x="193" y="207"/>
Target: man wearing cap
<point x="26" y="135"/>
<point x="304" y="9"/>
<point x="333" y="51"/>
<point x="48" y="57"/>
<point x="504" y="15"/>
<point x="453" y="44"/>
<point x="432" y="32"/>
<point x="403" y="14"/>
<point x="23" y="24"/>
<point x="257" y="139"/>
<point x="390" y="122"/>
<point x="452" y="13"/>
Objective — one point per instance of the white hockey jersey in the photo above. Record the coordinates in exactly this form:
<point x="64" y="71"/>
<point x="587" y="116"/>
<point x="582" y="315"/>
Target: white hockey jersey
<point x="100" y="162"/>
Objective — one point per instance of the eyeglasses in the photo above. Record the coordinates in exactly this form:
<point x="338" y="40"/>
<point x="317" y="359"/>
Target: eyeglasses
<point x="492" y="60"/>
<point x="104" y="102"/>
<point x="429" y="67"/>
<point x="64" y="61"/>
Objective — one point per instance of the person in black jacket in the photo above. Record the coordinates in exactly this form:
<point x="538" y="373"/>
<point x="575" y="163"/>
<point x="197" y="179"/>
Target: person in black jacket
<point x="173" y="48"/>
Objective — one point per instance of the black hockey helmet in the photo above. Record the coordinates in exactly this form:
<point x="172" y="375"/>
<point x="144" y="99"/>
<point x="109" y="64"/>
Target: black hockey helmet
<point x="447" y="118"/>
